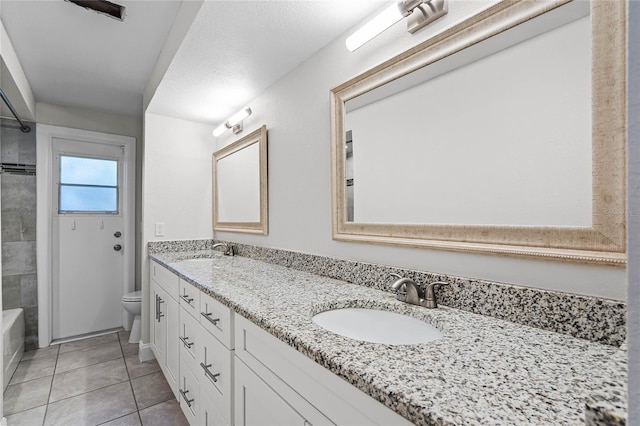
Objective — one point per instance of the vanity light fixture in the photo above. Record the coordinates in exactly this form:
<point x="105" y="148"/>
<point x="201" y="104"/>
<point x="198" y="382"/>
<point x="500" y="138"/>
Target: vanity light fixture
<point x="234" y="122"/>
<point x="420" y="12"/>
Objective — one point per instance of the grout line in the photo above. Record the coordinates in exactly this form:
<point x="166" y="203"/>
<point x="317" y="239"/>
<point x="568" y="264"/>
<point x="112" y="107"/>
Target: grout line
<point x="46" y="410"/>
<point x="135" y="400"/>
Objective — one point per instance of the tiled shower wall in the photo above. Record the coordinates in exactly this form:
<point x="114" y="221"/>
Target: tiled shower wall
<point x="18" y="196"/>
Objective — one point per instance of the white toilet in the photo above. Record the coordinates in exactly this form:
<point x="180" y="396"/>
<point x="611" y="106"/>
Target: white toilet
<point x="132" y="303"/>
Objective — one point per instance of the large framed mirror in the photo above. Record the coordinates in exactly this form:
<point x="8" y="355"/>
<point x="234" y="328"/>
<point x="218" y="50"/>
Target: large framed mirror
<point x="503" y="134"/>
<point x="240" y="199"/>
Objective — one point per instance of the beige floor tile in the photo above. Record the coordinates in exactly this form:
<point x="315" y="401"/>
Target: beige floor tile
<point x="33" y="369"/>
<point x="32" y="417"/>
<point x="167" y="413"/>
<point x="89" y="356"/>
<point x="151" y="389"/>
<point x="138" y="369"/>
<point x="82" y="380"/>
<point x="51" y="351"/>
<point x="27" y="395"/>
<point x="92" y="408"/>
<point x="129" y="348"/>
<point x="89" y="342"/>
<point x="132" y="419"/>
<point x="124" y="335"/>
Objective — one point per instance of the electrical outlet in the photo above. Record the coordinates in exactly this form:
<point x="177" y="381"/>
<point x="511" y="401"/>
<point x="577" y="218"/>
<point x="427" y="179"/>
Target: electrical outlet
<point x="159" y="229"/>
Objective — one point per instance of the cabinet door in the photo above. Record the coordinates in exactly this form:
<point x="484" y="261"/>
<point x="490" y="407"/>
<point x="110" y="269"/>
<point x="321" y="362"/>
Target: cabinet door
<point x="172" y="351"/>
<point x="158" y="331"/>
<point x="209" y="414"/>
<point x="258" y="404"/>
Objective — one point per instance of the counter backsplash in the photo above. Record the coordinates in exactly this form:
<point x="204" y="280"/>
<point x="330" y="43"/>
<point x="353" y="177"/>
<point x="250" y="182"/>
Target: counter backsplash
<point x="585" y="317"/>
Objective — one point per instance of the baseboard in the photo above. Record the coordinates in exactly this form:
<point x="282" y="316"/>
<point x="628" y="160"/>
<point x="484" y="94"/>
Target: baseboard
<point x="144" y="352"/>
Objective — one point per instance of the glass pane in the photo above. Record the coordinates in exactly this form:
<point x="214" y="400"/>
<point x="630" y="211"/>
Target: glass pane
<point x="88" y="199"/>
<point x="88" y="171"/>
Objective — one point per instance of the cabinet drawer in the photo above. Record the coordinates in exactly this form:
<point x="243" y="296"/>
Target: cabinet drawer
<point x="189" y="298"/>
<point x="189" y="396"/>
<point x="217" y="319"/>
<point x="165" y="278"/>
<point x="189" y="339"/>
<point x="215" y="374"/>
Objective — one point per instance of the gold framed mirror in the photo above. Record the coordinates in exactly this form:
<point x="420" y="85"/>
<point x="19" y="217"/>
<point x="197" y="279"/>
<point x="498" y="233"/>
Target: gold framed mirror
<point x="518" y="204"/>
<point x="240" y="182"/>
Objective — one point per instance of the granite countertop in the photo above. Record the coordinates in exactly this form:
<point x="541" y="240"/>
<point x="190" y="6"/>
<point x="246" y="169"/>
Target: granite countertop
<point x="482" y="371"/>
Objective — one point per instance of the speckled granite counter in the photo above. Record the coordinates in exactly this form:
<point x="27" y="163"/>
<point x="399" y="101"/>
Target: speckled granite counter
<point x="608" y="405"/>
<point x="484" y="371"/>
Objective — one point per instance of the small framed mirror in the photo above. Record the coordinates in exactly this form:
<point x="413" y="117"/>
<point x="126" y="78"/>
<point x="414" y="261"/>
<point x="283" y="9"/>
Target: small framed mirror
<point x="503" y="134"/>
<point x="240" y="200"/>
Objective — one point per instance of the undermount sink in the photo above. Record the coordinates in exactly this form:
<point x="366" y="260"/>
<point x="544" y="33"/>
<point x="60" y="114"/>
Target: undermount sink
<point x="216" y="262"/>
<point x="377" y="326"/>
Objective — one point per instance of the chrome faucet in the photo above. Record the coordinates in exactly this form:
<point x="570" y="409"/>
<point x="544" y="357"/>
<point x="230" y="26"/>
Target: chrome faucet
<point x="407" y="290"/>
<point x="228" y="248"/>
<point x="410" y="292"/>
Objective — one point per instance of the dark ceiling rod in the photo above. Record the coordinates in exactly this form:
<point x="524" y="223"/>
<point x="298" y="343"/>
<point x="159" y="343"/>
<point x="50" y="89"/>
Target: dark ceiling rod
<point x="23" y="127"/>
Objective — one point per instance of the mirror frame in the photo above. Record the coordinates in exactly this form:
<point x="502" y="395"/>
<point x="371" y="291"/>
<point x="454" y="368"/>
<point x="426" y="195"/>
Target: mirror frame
<point x="261" y="227"/>
<point x="605" y="241"/>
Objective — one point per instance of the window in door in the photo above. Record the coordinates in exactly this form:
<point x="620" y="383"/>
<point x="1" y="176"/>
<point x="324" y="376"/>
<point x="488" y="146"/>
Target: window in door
<point x="88" y="185"/>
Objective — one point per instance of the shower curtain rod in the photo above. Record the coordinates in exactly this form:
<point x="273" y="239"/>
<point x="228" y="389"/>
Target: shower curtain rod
<point x="23" y="127"/>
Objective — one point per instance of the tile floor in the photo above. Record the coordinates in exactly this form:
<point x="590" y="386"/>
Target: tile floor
<point x="95" y="381"/>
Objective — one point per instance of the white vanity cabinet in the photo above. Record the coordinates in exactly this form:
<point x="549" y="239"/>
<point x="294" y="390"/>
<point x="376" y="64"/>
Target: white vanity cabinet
<point x="225" y="370"/>
<point x="268" y="369"/>
<point x="164" y="320"/>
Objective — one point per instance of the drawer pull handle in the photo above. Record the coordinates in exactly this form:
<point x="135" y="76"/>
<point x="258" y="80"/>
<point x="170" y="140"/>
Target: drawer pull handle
<point x="157" y="309"/>
<point x="184" y="342"/>
<point x="212" y="376"/>
<point x="184" y="395"/>
<point x="208" y="317"/>
<point x="186" y="298"/>
<point x="160" y="314"/>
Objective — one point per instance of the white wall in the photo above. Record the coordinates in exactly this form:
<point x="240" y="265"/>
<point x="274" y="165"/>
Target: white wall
<point x="14" y="80"/>
<point x="296" y="112"/>
<point x="84" y="119"/>
<point x="177" y="187"/>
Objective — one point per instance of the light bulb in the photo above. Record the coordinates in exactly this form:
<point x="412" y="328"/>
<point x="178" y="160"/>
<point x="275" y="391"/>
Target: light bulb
<point x="239" y="116"/>
<point x="220" y="130"/>
<point x="380" y="23"/>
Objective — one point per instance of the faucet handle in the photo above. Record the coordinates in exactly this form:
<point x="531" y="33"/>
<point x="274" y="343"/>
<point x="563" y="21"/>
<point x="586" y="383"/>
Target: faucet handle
<point x="394" y="275"/>
<point x="430" y="294"/>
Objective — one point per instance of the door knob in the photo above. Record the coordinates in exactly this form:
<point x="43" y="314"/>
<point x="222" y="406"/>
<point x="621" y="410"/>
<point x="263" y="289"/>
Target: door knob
<point x="117" y="234"/>
<point x="117" y="247"/>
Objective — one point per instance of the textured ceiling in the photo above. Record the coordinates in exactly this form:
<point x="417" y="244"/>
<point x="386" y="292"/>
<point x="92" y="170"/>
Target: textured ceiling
<point x="74" y="57"/>
<point x="236" y="49"/>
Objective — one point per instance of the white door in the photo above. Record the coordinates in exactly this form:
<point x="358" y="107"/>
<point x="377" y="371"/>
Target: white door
<point x="89" y="193"/>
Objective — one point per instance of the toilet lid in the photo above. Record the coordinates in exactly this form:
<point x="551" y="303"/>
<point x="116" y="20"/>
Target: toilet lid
<point x="135" y="296"/>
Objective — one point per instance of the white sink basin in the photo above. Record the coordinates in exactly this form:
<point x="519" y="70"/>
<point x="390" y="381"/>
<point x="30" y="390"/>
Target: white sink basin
<point x="376" y="326"/>
<point x="217" y="262"/>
